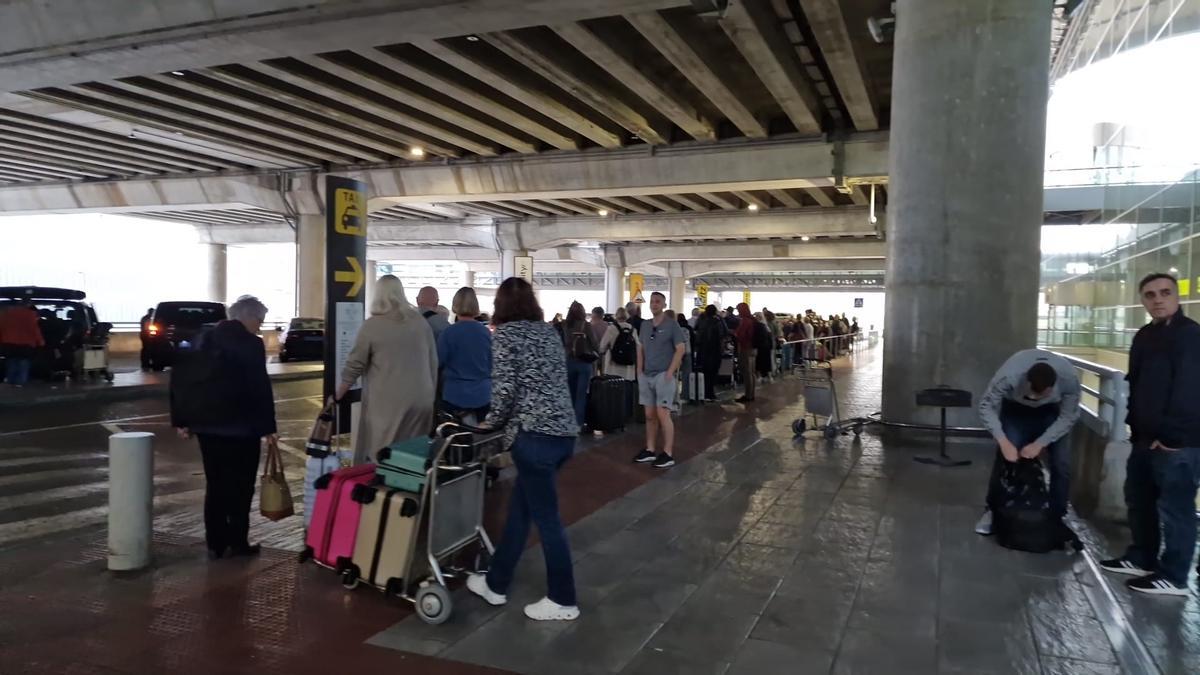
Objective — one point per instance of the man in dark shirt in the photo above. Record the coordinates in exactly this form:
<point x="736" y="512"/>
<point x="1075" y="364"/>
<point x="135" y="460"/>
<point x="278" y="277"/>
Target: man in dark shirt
<point x="1163" y="471"/>
<point x="145" y="335"/>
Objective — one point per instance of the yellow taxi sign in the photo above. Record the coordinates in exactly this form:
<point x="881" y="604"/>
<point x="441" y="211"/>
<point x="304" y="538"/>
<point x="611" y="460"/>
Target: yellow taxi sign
<point x="349" y="213"/>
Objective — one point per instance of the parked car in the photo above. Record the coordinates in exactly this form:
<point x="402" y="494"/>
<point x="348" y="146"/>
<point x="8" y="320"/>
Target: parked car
<point x="177" y="323"/>
<point x="76" y="340"/>
<point x="304" y="339"/>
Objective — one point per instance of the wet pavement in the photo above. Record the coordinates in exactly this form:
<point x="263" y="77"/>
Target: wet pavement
<point x="756" y="554"/>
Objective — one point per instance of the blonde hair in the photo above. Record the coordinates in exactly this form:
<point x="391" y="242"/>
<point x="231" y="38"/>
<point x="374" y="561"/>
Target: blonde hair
<point x="465" y="302"/>
<point x="389" y="297"/>
<point x="621" y="314"/>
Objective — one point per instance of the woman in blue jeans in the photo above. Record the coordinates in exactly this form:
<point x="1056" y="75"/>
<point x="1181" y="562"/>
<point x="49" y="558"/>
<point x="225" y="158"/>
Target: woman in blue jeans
<point x="582" y="352"/>
<point x="531" y="402"/>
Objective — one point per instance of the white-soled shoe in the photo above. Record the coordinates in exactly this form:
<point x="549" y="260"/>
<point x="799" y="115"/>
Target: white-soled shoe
<point x="548" y="610"/>
<point x="477" y="584"/>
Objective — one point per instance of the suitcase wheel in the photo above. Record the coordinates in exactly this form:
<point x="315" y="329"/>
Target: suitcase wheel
<point x="350" y="578"/>
<point x="433" y="604"/>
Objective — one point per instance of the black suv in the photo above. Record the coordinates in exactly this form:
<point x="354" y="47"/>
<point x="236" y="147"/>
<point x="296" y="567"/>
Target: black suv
<point x="175" y="323"/>
<point x="304" y="339"/>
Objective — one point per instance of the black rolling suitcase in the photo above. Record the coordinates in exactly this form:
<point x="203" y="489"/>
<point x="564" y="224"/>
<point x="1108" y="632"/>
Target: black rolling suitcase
<point x="606" y="408"/>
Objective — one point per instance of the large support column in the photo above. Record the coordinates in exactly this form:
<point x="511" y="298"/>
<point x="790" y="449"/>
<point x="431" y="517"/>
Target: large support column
<point x="968" y="127"/>
<point x="614" y="288"/>
<point x="310" y="266"/>
<point x="218" y="273"/>
<point x="508" y="263"/>
<point x="677" y="288"/>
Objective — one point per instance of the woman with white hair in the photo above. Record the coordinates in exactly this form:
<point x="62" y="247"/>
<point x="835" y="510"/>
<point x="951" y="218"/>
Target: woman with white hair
<point x="396" y="356"/>
<point x="232" y="423"/>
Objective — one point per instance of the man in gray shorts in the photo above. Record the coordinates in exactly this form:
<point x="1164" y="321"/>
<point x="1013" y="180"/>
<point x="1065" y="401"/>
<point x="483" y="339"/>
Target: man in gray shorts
<point x="659" y="355"/>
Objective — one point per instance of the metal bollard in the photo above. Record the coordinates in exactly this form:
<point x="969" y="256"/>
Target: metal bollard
<point x="130" y="500"/>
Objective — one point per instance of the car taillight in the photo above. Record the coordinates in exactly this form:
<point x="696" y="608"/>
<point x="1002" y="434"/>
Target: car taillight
<point x="152" y="329"/>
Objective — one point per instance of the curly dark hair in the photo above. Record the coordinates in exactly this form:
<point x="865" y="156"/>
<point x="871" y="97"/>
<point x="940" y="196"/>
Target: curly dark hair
<point x="515" y="301"/>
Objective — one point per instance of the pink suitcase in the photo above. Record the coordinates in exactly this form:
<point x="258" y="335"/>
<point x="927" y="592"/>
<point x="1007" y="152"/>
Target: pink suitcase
<point x="334" y="526"/>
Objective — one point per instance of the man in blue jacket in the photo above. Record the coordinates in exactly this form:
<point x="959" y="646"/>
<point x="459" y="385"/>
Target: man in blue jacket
<point x="1163" y="471"/>
<point x="222" y="395"/>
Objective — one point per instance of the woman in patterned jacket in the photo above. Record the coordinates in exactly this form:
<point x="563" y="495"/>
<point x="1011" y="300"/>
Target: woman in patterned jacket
<point x="531" y="402"/>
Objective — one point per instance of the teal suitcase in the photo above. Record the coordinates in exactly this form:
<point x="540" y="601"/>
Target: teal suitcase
<point x="402" y="465"/>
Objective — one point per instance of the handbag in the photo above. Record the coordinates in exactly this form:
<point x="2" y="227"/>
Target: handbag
<point x="274" y="495"/>
<point x="320" y="441"/>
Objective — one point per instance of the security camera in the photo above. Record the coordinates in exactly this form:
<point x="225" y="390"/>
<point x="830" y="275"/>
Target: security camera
<point x="883" y="30"/>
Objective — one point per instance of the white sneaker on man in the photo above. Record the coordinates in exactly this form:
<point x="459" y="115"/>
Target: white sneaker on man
<point x="984" y="526"/>
<point x="549" y="610"/>
<point x="477" y="584"/>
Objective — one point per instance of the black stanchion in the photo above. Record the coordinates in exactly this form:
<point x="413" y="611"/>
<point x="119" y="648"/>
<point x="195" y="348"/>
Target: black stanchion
<point x="943" y="397"/>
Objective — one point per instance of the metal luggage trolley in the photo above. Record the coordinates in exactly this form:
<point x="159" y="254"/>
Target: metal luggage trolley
<point x="820" y="400"/>
<point x="451" y="516"/>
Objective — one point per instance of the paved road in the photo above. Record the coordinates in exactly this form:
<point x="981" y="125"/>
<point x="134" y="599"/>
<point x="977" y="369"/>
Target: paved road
<point x="54" y="466"/>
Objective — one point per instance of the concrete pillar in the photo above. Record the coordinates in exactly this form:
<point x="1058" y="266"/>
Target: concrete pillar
<point x="218" y="273"/>
<point x="614" y="288"/>
<point x="968" y="131"/>
<point x="676" y="297"/>
<point x="130" y="500"/>
<point x="468" y="278"/>
<point x="310" y="266"/>
<point x="371" y="274"/>
<point x="508" y="263"/>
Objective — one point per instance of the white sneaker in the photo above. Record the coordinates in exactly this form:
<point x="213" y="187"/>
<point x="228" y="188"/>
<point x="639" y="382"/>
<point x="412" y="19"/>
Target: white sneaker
<point x="548" y="610"/>
<point x="477" y="584"/>
<point x="984" y="526"/>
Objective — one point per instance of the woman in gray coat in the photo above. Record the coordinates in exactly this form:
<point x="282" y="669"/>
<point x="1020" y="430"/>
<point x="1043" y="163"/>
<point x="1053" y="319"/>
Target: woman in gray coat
<point x="396" y="357"/>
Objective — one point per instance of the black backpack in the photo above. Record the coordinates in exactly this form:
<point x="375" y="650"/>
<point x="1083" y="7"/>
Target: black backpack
<point x="581" y="349"/>
<point x="1023" y="521"/>
<point x="203" y="388"/>
<point x="624" y="349"/>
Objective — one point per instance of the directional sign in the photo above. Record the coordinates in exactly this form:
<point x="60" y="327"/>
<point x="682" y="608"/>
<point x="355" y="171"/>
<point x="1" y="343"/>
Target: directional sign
<point x="702" y="294"/>
<point x="637" y="283"/>
<point x="746" y="296"/>
<point x="524" y="267"/>
<point x="345" y="262"/>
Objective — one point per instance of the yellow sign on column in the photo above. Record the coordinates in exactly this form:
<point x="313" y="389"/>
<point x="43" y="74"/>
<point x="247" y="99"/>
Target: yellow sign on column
<point x="702" y="294"/>
<point x="1185" y="287"/>
<point x="746" y="296"/>
<point x="637" y="283"/>
<point x="350" y="214"/>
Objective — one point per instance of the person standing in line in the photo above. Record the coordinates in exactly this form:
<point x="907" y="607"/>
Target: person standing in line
<point x="230" y="448"/>
<point x="619" y="347"/>
<point x="746" y="354"/>
<point x="144" y="334"/>
<point x="635" y="315"/>
<point x="599" y="328"/>
<point x="696" y="312"/>
<point x="427" y="304"/>
<point x="396" y="356"/>
<point x="660" y="353"/>
<point x="689" y="342"/>
<point x="711" y="335"/>
<point x="20" y="338"/>
<point x="531" y="403"/>
<point x="731" y="319"/>
<point x="465" y="360"/>
<point x="1030" y="407"/>
<point x="582" y="354"/>
<point x="1163" y="470"/>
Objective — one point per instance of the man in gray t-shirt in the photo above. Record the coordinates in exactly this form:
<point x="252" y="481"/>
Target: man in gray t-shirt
<point x="659" y="355"/>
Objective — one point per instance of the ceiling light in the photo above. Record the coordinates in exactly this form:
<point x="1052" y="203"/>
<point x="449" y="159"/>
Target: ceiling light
<point x="602" y="212"/>
<point x="753" y="207"/>
<point x="805" y="238"/>
<point x="1174" y="270"/>
<point x="472" y="38"/>
<point x="177" y="73"/>
<point x="416" y="152"/>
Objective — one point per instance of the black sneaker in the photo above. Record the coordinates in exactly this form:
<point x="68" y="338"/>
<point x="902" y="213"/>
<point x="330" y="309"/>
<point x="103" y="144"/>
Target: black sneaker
<point x="1156" y="584"/>
<point x="1123" y="566"/>
<point x="664" y="461"/>
<point x="644" y="456"/>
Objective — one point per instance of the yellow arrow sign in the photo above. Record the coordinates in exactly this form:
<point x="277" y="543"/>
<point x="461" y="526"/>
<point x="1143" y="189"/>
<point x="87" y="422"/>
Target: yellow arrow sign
<point x="354" y="277"/>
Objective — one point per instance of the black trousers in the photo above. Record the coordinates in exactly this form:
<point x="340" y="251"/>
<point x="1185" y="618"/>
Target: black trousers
<point x="230" y="467"/>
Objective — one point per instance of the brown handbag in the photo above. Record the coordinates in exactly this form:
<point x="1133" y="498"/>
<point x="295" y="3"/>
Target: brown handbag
<point x="274" y="495"/>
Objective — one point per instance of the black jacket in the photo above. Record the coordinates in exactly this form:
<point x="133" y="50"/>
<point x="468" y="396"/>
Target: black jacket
<point x="244" y="365"/>
<point x="1164" y="384"/>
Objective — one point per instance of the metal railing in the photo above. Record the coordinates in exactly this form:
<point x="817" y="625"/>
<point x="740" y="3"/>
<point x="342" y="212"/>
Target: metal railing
<point x="1067" y="337"/>
<point x="1108" y="401"/>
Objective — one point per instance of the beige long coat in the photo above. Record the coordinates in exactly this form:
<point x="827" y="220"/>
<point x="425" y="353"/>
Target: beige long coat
<point x="397" y="358"/>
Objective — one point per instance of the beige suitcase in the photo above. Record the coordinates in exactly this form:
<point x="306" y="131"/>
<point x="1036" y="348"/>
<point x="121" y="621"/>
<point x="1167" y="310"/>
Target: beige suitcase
<point x="386" y="539"/>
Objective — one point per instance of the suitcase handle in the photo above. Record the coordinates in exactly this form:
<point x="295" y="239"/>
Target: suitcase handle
<point x="362" y="493"/>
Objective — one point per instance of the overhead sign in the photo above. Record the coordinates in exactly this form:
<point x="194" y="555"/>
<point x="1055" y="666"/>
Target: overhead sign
<point x="345" y="262"/>
<point x="637" y="284"/>
<point x="746" y="296"/>
<point x="702" y="294"/>
<point x="858" y="303"/>
<point x="524" y="267"/>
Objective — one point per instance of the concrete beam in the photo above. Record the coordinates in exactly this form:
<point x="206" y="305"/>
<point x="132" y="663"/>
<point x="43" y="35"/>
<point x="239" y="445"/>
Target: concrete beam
<point x="141" y="195"/>
<point x="752" y="165"/>
<point x="71" y="41"/>
<point x="755" y="30"/>
<point x="697" y="269"/>
<point x="828" y="23"/>
<point x="686" y="227"/>
<point x="640" y="255"/>
<point x="697" y="70"/>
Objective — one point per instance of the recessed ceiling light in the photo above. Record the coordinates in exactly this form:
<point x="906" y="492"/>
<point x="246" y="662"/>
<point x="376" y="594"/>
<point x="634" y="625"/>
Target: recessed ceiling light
<point x="602" y="212"/>
<point x="753" y="207"/>
<point x="472" y="38"/>
<point x="416" y="152"/>
<point x="177" y="73"/>
<point x="805" y="238"/>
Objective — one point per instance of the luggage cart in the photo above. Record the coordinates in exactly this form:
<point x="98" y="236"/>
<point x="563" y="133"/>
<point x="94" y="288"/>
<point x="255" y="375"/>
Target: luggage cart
<point x="820" y="400"/>
<point x="450" y="517"/>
